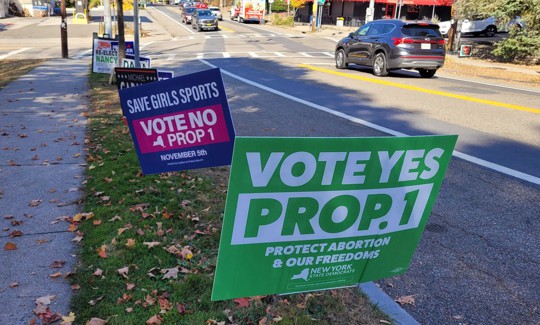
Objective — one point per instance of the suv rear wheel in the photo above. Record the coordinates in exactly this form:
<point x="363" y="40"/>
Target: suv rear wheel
<point x="425" y="73"/>
<point x="379" y="65"/>
<point x="341" y="59"/>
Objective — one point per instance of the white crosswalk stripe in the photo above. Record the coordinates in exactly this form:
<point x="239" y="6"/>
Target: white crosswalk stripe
<point x="227" y="55"/>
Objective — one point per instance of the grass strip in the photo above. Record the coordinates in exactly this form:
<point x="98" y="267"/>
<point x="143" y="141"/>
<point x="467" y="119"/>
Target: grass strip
<point x="12" y="69"/>
<point x="148" y="244"/>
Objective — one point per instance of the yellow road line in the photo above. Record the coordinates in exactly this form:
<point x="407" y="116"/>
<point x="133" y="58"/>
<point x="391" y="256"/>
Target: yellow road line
<point x="424" y="90"/>
<point x="226" y="29"/>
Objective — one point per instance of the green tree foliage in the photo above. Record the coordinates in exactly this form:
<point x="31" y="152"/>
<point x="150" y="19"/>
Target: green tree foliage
<point x="521" y="44"/>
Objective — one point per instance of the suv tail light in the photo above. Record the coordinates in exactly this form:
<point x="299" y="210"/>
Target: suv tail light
<point x="401" y="40"/>
<point x="404" y="40"/>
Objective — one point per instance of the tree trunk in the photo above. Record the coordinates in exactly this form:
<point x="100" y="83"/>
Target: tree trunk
<point x="121" y="33"/>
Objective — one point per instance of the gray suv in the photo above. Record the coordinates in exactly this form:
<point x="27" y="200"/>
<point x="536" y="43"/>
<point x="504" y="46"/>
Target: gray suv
<point x="204" y="19"/>
<point x="391" y="44"/>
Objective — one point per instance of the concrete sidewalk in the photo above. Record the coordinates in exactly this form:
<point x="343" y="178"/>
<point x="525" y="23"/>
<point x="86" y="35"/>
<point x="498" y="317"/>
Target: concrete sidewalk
<point x="41" y="173"/>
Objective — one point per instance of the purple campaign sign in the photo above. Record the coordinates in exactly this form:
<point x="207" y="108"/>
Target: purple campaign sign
<point x="180" y="123"/>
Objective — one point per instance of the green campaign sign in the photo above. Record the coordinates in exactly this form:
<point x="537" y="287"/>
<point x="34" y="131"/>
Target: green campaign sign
<point x="306" y="214"/>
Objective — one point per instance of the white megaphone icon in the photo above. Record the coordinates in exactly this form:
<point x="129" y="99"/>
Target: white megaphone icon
<point x="159" y="142"/>
<point x="302" y="275"/>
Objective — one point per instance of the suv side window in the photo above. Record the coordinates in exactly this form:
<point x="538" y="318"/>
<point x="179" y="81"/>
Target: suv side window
<point x="388" y="28"/>
<point x="376" y="29"/>
<point x="362" y="31"/>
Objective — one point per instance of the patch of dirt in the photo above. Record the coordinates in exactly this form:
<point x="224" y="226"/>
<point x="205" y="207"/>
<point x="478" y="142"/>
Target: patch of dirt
<point x="493" y="71"/>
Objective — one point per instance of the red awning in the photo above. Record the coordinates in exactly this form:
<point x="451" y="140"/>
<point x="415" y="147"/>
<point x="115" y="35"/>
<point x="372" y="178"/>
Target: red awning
<point x="406" y="2"/>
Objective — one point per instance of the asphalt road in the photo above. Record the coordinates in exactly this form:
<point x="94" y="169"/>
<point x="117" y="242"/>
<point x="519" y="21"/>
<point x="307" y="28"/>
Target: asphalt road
<point x="478" y="259"/>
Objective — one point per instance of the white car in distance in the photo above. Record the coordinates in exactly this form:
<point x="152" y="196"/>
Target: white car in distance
<point x="476" y="26"/>
<point x="217" y="12"/>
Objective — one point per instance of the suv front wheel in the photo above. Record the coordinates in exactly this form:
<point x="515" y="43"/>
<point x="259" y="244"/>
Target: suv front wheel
<point x="379" y="65"/>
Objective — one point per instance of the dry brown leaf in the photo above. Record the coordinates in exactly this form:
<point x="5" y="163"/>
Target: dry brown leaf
<point x="170" y="273"/>
<point x="98" y="272"/>
<point x="35" y="203"/>
<point x="154" y="320"/>
<point x="9" y="246"/>
<point x="130" y="286"/>
<point x="68" y="319"/>
<point x="152" y="244"/>
<point x="96" y="222"/>
<point x="242" y="302"/>
<point x="14" y="284"/>
<point x="124" y="271"/>
<point x="55" y="275"/>
<point x="150" y="300"/>
<point x="57" y="264"/>
<point x="45" y="300"/>
<point x="96" y="321"/>
<point x="405" y="300"/>
<point x="130" y="243"/>
<point x="15" y="233"/>
<point x="102" y="251"/>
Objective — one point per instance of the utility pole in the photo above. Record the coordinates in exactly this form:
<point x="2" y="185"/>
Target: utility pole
<point x="63" y="30"/>
<point x="314" y="15"/>
<point x="370" y="11"/>
<point x="107" y="18"/>
<point x="136" y="32"/>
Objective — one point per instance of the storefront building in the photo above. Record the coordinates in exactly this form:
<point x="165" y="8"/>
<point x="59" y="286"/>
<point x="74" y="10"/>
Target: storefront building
<point x="353" y="12"/>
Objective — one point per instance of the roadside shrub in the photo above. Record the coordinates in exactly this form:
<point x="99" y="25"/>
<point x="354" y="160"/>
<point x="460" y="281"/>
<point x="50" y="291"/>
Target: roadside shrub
<point x="520" y="46"/>
<point x="280" y="20"/>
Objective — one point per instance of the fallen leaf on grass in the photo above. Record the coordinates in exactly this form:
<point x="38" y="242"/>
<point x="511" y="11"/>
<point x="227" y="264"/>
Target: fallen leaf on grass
<point x="181" y="308"/>
<point x="154" y="320"/>
<point x="116" y="217"/>
<point x="170" y="273"/>
<point x="96" y="321"/>
<point x="130" y="286"/>
<point x="102" y="251"/>
<point x="75" y="287"/>
<point x="98" y="272"/>
<point x="150" y="300"/>
<point x="93" y="302"/>
<point x="130" y="243"/>
<point x="83" y="216"/>
<point x="242" y="302"/>
<point x="68" y="319"/>
<point x="152" y="244"/>
<point x="214" y="322"/>
<point x="123" y="271"/>
<point x="96" y="222"/>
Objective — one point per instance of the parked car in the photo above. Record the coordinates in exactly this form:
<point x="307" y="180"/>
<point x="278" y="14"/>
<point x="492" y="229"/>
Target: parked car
<point x="204" y="19"/>
<point x="187" y="13"/>
<point x="476" y="26"/>
<point x="388" y="45"/>
<point x="217" y="12"/>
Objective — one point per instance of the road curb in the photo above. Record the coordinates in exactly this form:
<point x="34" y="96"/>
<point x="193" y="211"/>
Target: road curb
<point x="386" y="304"/>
